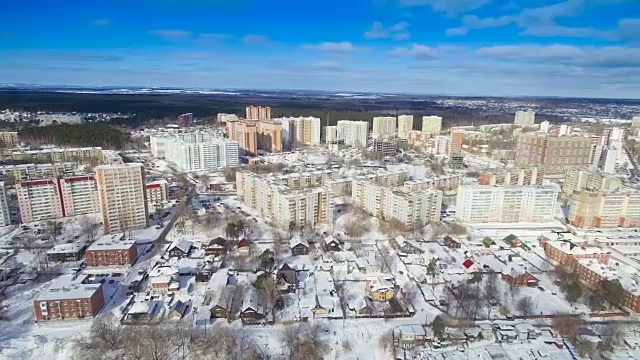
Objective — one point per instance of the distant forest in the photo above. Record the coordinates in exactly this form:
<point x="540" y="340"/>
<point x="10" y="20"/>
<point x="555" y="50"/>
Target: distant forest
<point x="161" y="108"/>
<point x="80" y="135"/>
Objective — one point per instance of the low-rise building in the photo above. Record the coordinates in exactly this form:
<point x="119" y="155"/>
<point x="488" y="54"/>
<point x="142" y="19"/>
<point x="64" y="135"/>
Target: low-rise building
<point x="66" y="252"/>
<point x="157" y="193"/>
<point x="69" y="297"/>
<point x="112" y="250"/>
<point x="380" y="289"/>
<point x="595" y="273"/>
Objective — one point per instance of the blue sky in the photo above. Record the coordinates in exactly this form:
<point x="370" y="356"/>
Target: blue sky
<point x="459" y="47"/>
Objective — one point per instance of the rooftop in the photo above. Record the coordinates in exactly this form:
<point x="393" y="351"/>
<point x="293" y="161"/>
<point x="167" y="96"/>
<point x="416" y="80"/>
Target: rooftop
<point x="69" y="287"/>
<point x="65" y="249"/>
<point x="112" y="242"/>
<point x="627" y="275"/>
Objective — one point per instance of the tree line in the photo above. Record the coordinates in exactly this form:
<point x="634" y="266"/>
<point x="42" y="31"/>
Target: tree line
<point x="86" y="134"/>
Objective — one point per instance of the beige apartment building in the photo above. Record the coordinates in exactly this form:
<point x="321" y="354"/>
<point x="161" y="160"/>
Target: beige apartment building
<point x="384" y="127"/>
<point x="258" y="113"/>
<point x="60" y="155"/>
<point x="457" y="138"/>
<point x="330" y="134"/>
<point x="247" y="137"/>
<point x="528" y="176"/>
<point x="597" y="209"/>
<point x="413" y="209"/>
<point x="432" y="125"/>
<point x="9" y="138"/>
<point x="556" y="154"/>
<point x="446" y="183"/>
<point x="122" y="195"/>
<point x="285" y="206"/>
<point x="576" y="179"/>
<point x="269" y="136"/>
<point x="405" y="126"/>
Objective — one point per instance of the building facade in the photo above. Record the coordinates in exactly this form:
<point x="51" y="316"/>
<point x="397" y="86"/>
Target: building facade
<point x="9" y="139"/>
<point x="300" y="131"/>
<point x="506" y="204"/>
<point x="597" y="209"/>
<point x="112" y="250"/>
<point x="24" y="172"/>
<point x="432" y="125"/>
<point x="576" y="179"/>
<point x="405" y="125"/>
<point x="157" y="194"/>
<point x="556" y="154"/>
<point x="258" y="113"/>
<point x="269" y="136"/>
<point x="5" y="215"/>
<point x="353" y="133"/>
<point x="330" y="134"/>
<point x="197" y="154"/>
<point x="223" y="118"/>
<point x="457" y="137"/>
<point x="445" y="183"/>
<point x="122" y="197"/>
<point x="384" y="127"/>
<point x="39" y="200"/>
<point x="69" y="297"/>
<point x="525" y="118"/>
<point x="528" y="176"/>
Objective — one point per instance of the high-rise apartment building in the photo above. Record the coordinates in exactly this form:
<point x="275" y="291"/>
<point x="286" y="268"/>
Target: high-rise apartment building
<point x="5" y="216"/>
<point x="405" y="125"/>
<point x="353" y="133"/>
<point x="9" y="138"/>
<point x="457" y="137"/>
<point x="635" y="122"/>
<point x="122" y="197"/>
<point x="556" y="154"/>
<point x="525" y="118"/>
<point x="330" y="134"/>
<point x="432" y="125"/>
<point x="195" y="151"/>
<point x="258" y="113"/>
<point x="576" y="179"/>
<point x="300" y="131"/>
<point x="506" y="204"/>
<point x="224" y="118"/>
<point x="282" y="204"/>
<point x="414" y="209"/>
<point x="528" y="176"/>
<point x="185" y="119"/>
<point x="384" y="127"/>
<point x="597" y="209"/>
<point x="57" y="198"/>
<point x="247" y="137"/>
<point x="269" y="136"/>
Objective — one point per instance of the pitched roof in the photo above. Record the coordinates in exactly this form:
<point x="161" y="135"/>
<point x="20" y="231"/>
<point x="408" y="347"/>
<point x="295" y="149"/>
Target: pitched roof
<point x="220" y="241"/>
<point x="298" y="240"/>
<point x="468" y="263"/>
<point x="244" y="242"/>
<point x="251" y="301"/>
<point x="330" y="239"/>
<point x="182" y="245"/>
<point x="180" y="307"/>
<point x="510" y="239"/>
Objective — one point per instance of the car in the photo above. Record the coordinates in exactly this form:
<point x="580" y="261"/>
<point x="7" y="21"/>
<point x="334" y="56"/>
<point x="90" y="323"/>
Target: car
<point x="111" y="282"/>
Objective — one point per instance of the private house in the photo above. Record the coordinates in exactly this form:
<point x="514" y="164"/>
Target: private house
<point x="180" y="249"/>
<point x="407" y="246"/>
<point x="518" y="275"/>
<point x="220" y="307"/>
<point x="409" y="336"/>
<point x="244" y="247"/>
<point x="512" y="240"/>
<point x="178" y="310"/>
<point x="379" y="289"/>
<point x="215" y="247"/>
<point x="324" y="305"/>
<point x="468" y="265"/>
<point x="251" y="312"/>
<point x="451" y="242"/>
<point x="331" y="244"/>
<point x="487" y="241"/>
<point x="160" y="283"/>
<point x="299" y="246"/>
<point x="286" y="278"/>
<point x="361" y="306"/>
<point x="142" y="311"/>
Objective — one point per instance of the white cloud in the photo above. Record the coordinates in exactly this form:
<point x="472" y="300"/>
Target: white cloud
<point x="457" y="31"/>
<point x="416" y="50"/>
<point x="172" y="35"/>
<point x="450" y="7"/>
<point x="397" y="31"/>
<point x="253" y="39"/>
<point x="333" y="47"/>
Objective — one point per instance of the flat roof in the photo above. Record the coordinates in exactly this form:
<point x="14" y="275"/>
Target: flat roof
<point x="112" y="242"/>
<point x="69" y="287"/>
<point x="627" y="276"/>
<point x="65" y="249"/>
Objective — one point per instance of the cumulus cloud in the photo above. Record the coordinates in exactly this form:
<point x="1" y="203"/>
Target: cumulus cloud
<point x="173" y="35"/>
<point x="416" y="50"/>
<point x="450" y="7"/>
<point x="397" y="31"/>
<point x="333" y="47"/>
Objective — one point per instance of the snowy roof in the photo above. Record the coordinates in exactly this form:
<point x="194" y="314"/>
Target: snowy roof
<point x="570" y="248"/>
<point x="380" y="284"/>
<point x="219" y="241"/>
<point x="112" y="242"/>
<point x="182" y="245"/>
<point x="163" y="279"/>
<point x="65" y="249"/>
<point x="243" y="243"/>
<point x="626" y="275"/>
<point x="515" y="270"/>
<point x="163" y="271"/>
<point x="330" y="239"/>
<point x="402" y="241"/>
<point x="467" y="264"/>
<point x="67" y="287"/>
<point x="298" y="240"/>
<point x="359" y="303"/>
<point x="251" y="301"/>
<point x="142" y="307"/>
<point x="325" y="301"/>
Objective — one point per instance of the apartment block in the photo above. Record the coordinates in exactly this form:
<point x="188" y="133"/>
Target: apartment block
<point x="556" y="154"/>
<point x="528" y="176"/>
<point x="201" y="153"/>
<point x="405" y="125"/>
<point x="457" y="138"/>
<point x="443" y="183"/>
<point x="39" y="200"/>
<point x="525" y="118"/>
<point x="439" y="144"/>
<point x="576" y="179"/>
<point x="353" y="133"/>
<point x="414" y="209"/>
<point x="224" y="118"/>
<point x="300" y="131"/>
<point x="597" y="209"/>
<point x="432" y="125"/>
<point x="247" y="137"/>
<point x="269" y="136"/>
<point x="506" y="204"/>
<point x="418" y="138"/>
<point x="567" y="249"/>
<point x="330" y="134"/>
<point x="5" y="216"/>
<point x="595" y="273"/>
<point x="69" y="297"/>
<point x="185" y="120"/>
<point x="384" y="127"/>
<point x="122" y="197"/>
<point x="282" y="204"/>
<point x="79" y="195"/>
<point x="258" y="113"/>
<point x="157" y="194"/>
<point x="386" y="146"/>
<point x="59" y="155"/>
<point x="112" y="250"/>
<point x="9" y="139"/>
<point x="635" y="122"/>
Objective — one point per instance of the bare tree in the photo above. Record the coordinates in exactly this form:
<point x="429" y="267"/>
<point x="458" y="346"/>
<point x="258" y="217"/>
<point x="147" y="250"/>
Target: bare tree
<point x="90" y="228"/>
<point x="356" y="228"/>
<point x="567" y="325"/>
<point x="525" y="306"/>
<point x="386" y="342"/>
<point x="491" y="293"/>
<point x="613" y="335"/>
<point x="53" y="229"/>
<point x="268" y="293"/>
<point x="304" y="342"/>
<point x="106" y="340"/>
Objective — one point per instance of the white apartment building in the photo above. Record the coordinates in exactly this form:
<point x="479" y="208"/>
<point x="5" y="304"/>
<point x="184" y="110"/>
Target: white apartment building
<point x="405" y="125"/>
<point x="282" y="204"/>
<point x="525" y="118"/>
<point x="39" y="200"/>
<point x="576" y="179"/>
<point x="23" y="172"/>
<point x="5" y="216"/>
<point x="353" y="133"/>
<point x="432" y="125"/>
<point x="447" y="182"/>
<point x="604" y="157"/>
<point x="506" y="204"/>
<point x="545" y="126"/>
<point x="79" y="195"/>
<point x="439" y="145"/>
<point x="299" y="131"/>
<point x="223" y="118"/>
<point x="122" y="197"/>
<point x="414" y="209"/>
<point x="330" y="134"/>
<point x="196" y="151"/>
<point x="158" y="144"/>
<point x="384" y="127"/>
